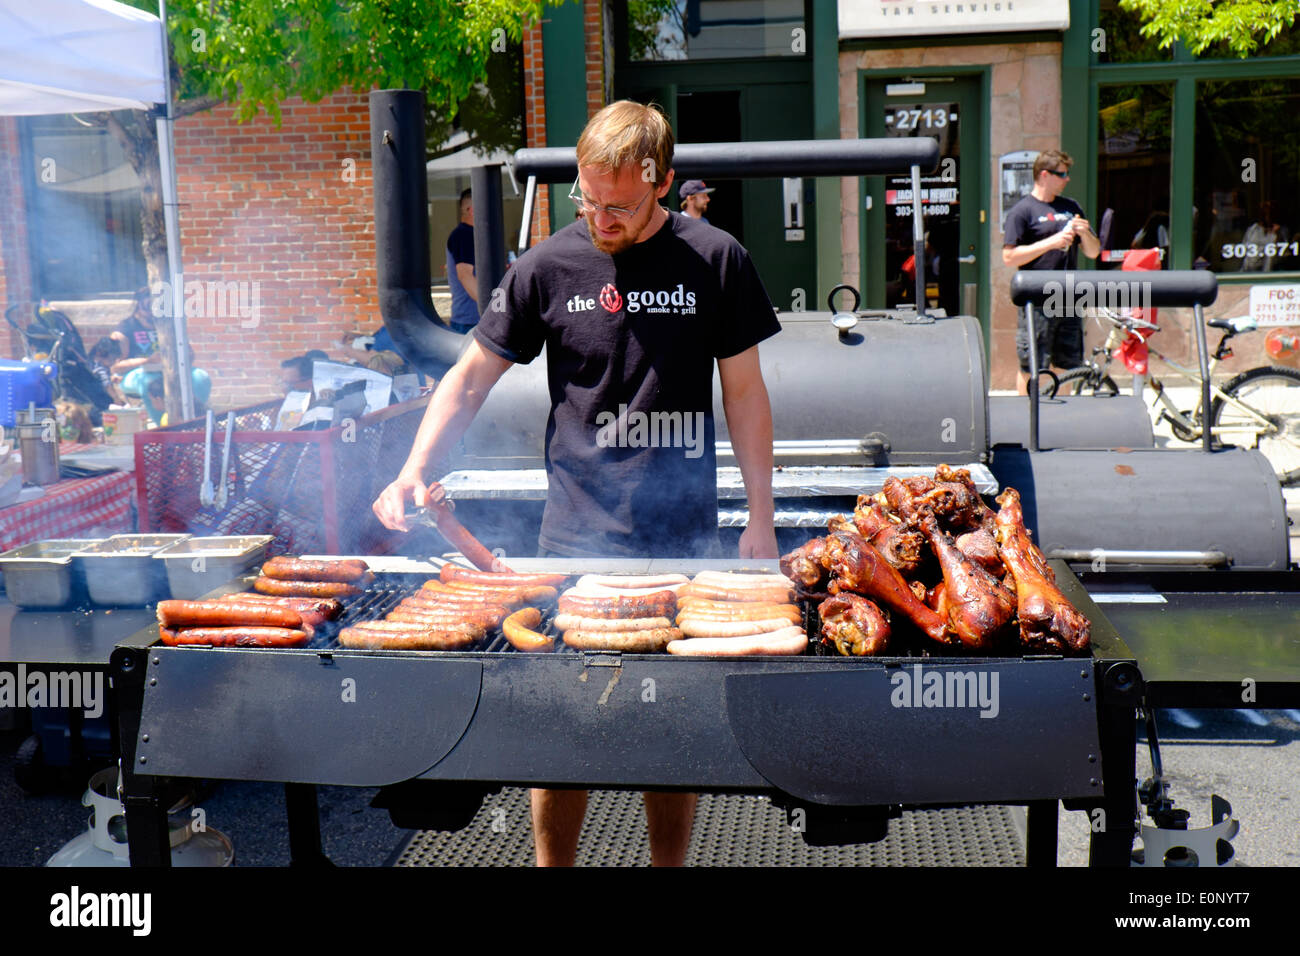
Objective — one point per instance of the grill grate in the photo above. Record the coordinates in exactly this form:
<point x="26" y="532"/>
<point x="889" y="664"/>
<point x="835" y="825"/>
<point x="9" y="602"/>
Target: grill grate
<point x="730" y="830"/>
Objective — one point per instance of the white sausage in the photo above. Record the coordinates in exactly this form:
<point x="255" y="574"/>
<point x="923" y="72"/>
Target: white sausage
<point x="788" y="640"/>
<point x="625" y="581"/>
<point x="575" y="622"/>
<point x="708" y="627"/>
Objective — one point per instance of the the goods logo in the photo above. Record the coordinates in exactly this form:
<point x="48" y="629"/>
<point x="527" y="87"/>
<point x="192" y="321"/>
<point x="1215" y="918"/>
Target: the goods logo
<point x="610" y="300"/>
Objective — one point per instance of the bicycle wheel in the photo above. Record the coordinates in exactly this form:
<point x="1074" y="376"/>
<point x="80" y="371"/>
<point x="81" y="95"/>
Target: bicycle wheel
<point x="1084" y="381"/>
<point x="1274" y="394"/>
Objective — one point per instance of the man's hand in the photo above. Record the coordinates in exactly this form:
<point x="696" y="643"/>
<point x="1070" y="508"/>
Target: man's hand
<point x="1063" y="239"/>
<point x="390" y="506"/>
<point x="758" y="540"/>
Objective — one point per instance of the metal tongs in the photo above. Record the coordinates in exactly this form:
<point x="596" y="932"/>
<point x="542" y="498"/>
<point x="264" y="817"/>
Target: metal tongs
<point x="225" y="461"/>
<point x="206" y="493"/>
<point x="438" y="515"/>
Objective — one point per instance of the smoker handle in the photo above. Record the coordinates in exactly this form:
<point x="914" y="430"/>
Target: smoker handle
<point x="1188" y="558"/>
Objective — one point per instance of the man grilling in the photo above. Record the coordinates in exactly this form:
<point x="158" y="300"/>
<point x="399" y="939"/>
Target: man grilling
<point x="634" y="304"/>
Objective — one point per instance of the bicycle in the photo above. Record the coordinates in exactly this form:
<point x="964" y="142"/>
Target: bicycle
<point x="1258" y="408"/>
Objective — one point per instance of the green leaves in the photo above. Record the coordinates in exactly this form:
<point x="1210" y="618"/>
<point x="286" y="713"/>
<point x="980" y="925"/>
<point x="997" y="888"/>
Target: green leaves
<point x="255" y="53"/>
<point x="1241" y="25"/>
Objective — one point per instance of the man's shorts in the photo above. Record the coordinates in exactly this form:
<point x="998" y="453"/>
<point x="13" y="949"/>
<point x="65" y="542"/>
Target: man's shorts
<point x="1059" y="340"/>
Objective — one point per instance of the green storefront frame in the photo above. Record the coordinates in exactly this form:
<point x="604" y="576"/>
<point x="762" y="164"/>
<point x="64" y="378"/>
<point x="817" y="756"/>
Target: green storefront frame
<point x="1082" y="76"/>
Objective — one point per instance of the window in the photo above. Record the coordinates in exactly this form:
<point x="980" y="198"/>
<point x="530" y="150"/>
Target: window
<point x="1121" y="40"/>
<point x="714" y="29"/>
<point x="1247" y="175"/>
<point x="83" y="210"/>
<point x="1133" y="168"/>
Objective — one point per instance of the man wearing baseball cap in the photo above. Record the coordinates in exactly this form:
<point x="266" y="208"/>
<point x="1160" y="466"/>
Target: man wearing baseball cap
<point x="695" y="198"/>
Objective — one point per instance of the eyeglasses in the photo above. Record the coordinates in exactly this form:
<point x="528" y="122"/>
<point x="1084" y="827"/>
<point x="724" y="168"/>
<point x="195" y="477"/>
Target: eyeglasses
<point x="618" y="212"/>
<point x="1059" y="173"/>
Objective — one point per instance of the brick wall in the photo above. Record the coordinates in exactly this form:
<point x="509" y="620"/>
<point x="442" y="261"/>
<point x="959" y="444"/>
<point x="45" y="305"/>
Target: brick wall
<point x="289" y="209"/>
<point x="535" y="123"/>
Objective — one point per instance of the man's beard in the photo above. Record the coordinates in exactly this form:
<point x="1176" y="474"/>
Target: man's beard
<point x="611" y="246"/>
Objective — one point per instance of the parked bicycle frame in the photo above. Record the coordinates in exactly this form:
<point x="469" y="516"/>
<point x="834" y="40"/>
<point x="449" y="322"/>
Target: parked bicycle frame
<point x="1258" y="408"/>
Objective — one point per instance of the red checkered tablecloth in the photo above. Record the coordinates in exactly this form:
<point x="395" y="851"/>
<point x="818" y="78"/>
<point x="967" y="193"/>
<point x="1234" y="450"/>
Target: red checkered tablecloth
<point x="76" y="508"/>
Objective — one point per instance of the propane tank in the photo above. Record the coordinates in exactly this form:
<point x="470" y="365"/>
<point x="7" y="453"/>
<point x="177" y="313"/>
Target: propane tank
<point x="104" y="842"/>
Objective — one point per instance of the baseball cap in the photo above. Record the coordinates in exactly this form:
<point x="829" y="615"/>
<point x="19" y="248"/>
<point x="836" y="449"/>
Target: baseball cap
<point x="693" y="186"/>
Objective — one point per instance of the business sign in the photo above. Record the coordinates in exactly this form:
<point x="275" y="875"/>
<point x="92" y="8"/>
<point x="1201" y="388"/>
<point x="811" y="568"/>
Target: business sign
<point x="1015" y="179"/>
<point x="1275" y="305"/>
<point x="860" y="19"/>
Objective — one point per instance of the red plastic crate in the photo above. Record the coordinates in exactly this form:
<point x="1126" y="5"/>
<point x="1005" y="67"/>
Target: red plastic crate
<point x="312" y="490"/>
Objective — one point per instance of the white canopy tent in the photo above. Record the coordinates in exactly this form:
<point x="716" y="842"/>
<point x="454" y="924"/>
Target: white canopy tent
<point x="68" y="56"/>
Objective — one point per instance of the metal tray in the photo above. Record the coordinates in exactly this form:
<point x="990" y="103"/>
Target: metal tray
<point x="197" y="566"/>
<point x="40" y="575"/>
<point x="120" y="571"/>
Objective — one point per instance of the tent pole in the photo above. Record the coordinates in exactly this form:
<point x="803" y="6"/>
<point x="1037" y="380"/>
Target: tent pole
<point x="171" y="219"/>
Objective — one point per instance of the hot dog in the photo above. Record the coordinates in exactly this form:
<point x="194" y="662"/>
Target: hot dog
<point x="483" y="618"/>
<point x="453" y="572"/>
<point x="343" y="570"/>
<point x="715" y="592"/>
<point x="628" y="642"/>
<point x="175" y="614"/>
<point x="468" y="593"/>
<point x="458" y="534"/>
<point x="694" y="627"/>
<point x="413" y="637"/>
<point x="327" y="609"/>
<point x="533" y="594"/>
<point x="519" y="629"/>
<point x="573" y="622"/>
<point x="739" y="611"/>
<point x="788" y="640"/>
<point x="235" y="636"/>
<point x="312" y="589"/>
<point x="440" y="599"/>
<point x="740" y="580"/>
<point x="624" y="581"/>
<point x="655" y="604"/>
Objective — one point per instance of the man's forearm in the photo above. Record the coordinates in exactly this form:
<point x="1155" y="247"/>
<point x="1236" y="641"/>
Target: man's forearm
<point x="749" y="419"/>
<point x="453" y="406"/>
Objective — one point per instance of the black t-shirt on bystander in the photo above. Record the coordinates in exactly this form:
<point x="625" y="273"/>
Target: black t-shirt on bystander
<point x="630" y="344"/>
<point x="1032" y="220"/>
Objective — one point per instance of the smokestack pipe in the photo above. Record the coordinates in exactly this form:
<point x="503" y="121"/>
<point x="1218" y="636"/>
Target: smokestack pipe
<point x="489" y="232"/>
<point x="402" y="232"/>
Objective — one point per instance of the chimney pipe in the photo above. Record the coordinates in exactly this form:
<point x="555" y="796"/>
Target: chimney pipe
<point x="402" y="232"/>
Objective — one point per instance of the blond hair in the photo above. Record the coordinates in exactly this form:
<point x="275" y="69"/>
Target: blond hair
<point x="627" y="133"/>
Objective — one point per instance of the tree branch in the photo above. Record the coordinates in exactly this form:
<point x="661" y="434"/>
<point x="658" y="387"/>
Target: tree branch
<point x="196" y="105"/>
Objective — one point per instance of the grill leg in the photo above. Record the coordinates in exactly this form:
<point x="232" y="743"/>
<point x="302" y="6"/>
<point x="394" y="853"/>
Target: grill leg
<point x="1114" y="830"/>
<point x="304" y="825"/>
<point x="1040" y="833"/>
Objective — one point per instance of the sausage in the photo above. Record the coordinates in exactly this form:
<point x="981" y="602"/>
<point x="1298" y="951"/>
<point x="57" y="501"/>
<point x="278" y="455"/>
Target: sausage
<point x="488" y="617"/>
<point x="695" y="627"/>
<point x="739" y="611"/>
<point x="740" y="580"/>
<point x="458" y="534"/>
<point x="326" y="608"/>
<point x="312" y="589"/>
<point x="235" y="636"/>
<point x="446" y="598"/>
<point x="453" y="572"/>
<point x="788" y="640"/>
<point x="628" y="642"/>
<point x="574" y="622"/>
<point x="655" y="604"/>
<point x="344" y="570"/>
<point x="520" y="630"/>
<point x="175" y="614"/>
<point x="413" y="637"/>
<point x="533" y="594"/>
<point x="601" y="590"/>
<point x="481" y="593"/>
<point x="623" y="581"/>
<point x="715" y="592"/>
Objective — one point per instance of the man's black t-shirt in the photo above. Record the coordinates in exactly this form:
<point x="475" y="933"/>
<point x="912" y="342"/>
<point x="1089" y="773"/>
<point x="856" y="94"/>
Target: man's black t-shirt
<point x="630" y="341"/>
<point x="1032" y="220"/>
